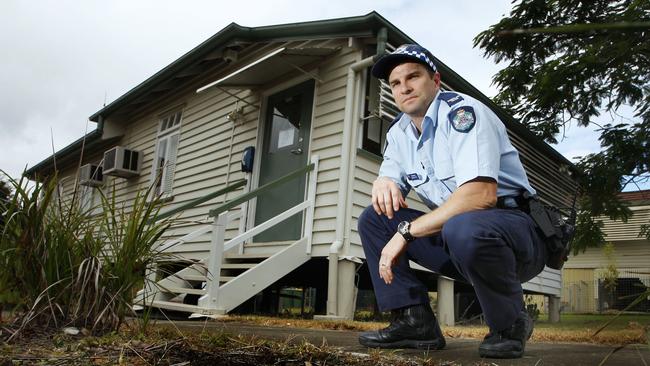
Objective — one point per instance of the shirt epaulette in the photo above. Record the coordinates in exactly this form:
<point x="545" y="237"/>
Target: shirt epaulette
<point x="450" y="98"/>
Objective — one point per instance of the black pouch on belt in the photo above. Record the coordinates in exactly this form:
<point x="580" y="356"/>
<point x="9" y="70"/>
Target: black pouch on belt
<point x="556" y="231"/>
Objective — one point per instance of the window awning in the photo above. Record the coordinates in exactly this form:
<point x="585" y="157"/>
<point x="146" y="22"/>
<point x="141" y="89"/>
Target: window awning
<point x="270" y="67"/>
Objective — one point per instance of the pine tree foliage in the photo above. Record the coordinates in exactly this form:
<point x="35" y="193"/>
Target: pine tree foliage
<point x="568" y="62"/>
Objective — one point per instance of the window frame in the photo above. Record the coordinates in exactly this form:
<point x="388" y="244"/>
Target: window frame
<point x="371" y="115"/>
<point x="89" y="200"/>
<point x="168" y="129"/>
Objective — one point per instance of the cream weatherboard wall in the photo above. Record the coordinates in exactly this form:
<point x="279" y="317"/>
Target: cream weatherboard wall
<point x="205" y="159"/>
<point x="327" y="136"/>
<point x="630" y="250"/>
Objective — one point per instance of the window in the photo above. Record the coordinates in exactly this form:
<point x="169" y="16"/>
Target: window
<point x="379" y="111"/>
<point x="59" y="193"/>
<point x="90" y="201"/>
<point x="164" y="163"/>
<point x="374" y="134"/>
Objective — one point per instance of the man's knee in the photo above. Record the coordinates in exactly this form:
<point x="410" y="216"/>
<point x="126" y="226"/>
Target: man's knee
<point x="367" y="219"/>
<point x="459" y="234"/>
<point x="458" y="228"/>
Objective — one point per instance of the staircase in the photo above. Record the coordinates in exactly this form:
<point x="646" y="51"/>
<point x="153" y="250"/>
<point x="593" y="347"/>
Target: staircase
<point x="241" y="275"/>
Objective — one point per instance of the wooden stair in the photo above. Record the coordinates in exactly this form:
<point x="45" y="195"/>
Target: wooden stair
<point x="241" y="277"/>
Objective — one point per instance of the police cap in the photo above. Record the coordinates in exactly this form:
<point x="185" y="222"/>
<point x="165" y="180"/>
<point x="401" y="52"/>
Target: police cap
<point x="404" y="53"/>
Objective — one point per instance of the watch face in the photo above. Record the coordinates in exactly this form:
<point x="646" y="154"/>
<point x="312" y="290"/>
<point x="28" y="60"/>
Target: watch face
<point x="403" y="227"/>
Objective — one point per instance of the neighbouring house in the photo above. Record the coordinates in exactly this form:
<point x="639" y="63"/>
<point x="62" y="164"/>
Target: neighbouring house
<point x="244" y="109"/>
<point x="585" y="284"/>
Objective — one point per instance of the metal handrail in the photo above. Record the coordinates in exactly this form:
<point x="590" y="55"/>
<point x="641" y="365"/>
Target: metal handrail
<point x="254" y="193"/>
<point x="237" y="184"/>
<point x="211" y="300"/>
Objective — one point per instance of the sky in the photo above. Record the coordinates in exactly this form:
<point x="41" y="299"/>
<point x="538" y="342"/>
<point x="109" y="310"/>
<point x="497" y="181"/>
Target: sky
<point x="63" y="60"/>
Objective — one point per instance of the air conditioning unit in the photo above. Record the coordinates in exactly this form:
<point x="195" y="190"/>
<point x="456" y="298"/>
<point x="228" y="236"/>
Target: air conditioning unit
<point x="91" y="175"/>
<point x="122" y="162"/>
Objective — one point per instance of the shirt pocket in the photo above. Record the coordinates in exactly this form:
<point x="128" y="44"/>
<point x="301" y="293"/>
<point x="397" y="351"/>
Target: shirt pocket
<point x="446" y="178"/>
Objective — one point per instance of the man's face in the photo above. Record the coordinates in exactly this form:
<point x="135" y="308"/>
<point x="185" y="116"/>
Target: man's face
<point x="413" y="88"/>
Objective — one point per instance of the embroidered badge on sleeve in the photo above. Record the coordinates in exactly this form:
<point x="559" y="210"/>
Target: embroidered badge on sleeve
<point x="462" y="119"/>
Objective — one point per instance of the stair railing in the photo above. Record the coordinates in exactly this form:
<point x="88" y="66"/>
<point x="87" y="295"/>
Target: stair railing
<point x="222" y="218"/>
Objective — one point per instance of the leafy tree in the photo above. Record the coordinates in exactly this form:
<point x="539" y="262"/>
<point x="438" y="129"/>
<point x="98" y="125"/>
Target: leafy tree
<point x="568" y="61"/>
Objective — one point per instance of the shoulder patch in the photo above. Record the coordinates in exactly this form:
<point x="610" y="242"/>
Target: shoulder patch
<point x="450" y="98"/>
<point x="462" y="119"/>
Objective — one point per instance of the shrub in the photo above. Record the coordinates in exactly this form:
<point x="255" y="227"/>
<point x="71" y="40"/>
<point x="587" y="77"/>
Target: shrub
<point x="61" y="266"/>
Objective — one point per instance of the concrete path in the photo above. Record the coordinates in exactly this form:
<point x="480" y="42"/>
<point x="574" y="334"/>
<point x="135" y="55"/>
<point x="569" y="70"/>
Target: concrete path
<point x="460" y="351"/>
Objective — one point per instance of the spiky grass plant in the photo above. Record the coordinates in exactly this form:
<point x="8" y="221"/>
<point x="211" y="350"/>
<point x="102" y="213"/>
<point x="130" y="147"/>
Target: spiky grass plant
<point x="62" y="266"/>
<point x="131" y="236"/>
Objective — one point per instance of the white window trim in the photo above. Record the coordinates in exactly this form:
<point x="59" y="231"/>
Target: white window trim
<point x="90" y="200"/>
<point x="167" y="134"/>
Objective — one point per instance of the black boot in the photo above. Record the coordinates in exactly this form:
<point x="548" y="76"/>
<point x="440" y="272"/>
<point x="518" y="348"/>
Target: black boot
<point x="412" y="327"/>
<point x="510" y="342"/>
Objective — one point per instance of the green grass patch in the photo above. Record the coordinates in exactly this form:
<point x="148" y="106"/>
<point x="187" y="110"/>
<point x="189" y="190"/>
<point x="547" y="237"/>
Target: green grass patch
<point x="594" y="321"/>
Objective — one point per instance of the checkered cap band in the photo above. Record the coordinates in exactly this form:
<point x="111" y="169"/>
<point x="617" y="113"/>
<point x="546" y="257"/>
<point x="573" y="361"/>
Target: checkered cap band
<point x="404" y="53"/>
<point x="419" y="52"/>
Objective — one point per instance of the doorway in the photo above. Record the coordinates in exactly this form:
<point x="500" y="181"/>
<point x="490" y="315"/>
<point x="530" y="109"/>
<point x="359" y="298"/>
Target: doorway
<point x="285" y="147"/>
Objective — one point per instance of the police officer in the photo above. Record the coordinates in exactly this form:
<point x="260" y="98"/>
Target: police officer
<point x="455" y="153"/>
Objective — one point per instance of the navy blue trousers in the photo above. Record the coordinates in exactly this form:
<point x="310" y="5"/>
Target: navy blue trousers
<point x="494" y="250"/>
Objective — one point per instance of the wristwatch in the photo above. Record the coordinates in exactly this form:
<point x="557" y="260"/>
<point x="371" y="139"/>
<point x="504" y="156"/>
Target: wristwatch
<point x="403" y="228"/>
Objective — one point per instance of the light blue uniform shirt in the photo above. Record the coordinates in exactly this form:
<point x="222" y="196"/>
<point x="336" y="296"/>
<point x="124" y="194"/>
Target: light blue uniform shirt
<point x="461" y="139"/>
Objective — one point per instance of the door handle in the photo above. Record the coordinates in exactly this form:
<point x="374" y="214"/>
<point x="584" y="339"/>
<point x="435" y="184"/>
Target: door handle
<point x="297" y="151"/>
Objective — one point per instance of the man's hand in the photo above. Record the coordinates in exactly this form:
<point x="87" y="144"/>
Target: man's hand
<point x="389" y="256"/>
<point x="387" y="197"/>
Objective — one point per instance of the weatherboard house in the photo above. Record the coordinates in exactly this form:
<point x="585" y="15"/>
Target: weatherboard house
<point x="264" y="142"/>
<point x="585" y="289"/>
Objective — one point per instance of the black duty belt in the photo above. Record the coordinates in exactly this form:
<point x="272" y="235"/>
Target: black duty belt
<point x="513" y="202"/>
<point x="552" y="227"/>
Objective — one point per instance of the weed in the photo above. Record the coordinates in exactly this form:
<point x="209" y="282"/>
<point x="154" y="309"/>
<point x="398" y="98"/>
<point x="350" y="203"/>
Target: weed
<point x="62" y="266"/>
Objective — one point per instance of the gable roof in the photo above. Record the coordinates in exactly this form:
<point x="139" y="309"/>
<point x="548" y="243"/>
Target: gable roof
<point x="202" y="56"/>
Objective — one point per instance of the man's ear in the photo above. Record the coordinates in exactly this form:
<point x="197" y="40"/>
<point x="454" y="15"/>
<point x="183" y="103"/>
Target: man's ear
<point x="436" y="78"/>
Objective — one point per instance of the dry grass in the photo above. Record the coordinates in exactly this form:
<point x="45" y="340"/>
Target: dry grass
<point x="166" y="346"/>
<point x="631" y="333"/>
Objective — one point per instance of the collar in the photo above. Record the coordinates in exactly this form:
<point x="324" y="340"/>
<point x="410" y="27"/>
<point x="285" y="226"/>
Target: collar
<point x="431" y="116"/>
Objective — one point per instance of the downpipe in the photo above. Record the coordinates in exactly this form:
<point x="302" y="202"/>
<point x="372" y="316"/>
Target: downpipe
<point x="342" y="236"/>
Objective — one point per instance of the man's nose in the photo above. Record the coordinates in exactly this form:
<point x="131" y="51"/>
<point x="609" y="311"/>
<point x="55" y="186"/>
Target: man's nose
<point x="405" y="88"/>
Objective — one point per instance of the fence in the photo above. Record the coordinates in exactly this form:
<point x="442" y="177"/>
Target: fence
<point x="599" y="295"/>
